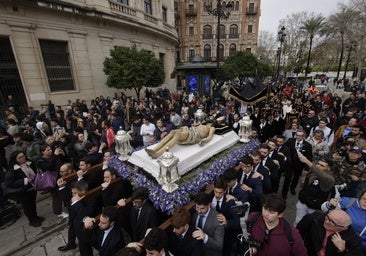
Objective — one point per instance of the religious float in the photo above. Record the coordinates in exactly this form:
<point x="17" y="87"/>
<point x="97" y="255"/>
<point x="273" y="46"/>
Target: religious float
<point x="182" y="171"/>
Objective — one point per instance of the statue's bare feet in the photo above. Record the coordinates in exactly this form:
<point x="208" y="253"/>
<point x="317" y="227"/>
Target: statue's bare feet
<point x="151" y="153"/>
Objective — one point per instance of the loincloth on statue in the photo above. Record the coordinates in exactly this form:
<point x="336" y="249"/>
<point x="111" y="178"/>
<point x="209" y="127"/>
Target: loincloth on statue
<point x="193" y="136"/>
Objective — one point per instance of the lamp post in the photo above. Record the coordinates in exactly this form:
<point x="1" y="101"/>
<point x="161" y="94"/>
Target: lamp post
<point x="221" y="12"/>
<point x="281" y="38"/>
<point x="352" y="45"/>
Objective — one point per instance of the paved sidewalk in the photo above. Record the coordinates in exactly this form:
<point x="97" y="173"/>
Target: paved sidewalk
<point x="20" y="235"/>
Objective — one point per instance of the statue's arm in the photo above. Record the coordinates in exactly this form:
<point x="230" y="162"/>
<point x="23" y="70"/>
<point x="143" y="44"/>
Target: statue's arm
<point x="209" y="137"/>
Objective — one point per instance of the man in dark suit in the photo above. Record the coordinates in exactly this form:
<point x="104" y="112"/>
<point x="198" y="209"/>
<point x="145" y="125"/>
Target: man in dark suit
<point x="268" y="163"/>
<point x="285" y="166"/>
<point x="180" y="239"/>
<point x="278" y="160"/>
<point x="208" y="228"/>
<point x="251" y="182"/>
<point x="107" y="238"/>
<point x="297" y="146"/>
<point x="78" y="210"/>
<point x="233" y="187"/>
<point x="278" y="124"/>
<point x="265" y="129"/>
<point x="111" y="193"/>
<point x="263" y="171"/>
<point x="141" y="216"/>
<point x="224" y="204"/>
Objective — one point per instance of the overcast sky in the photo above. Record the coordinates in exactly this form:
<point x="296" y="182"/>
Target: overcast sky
<point x="272" y="11"/>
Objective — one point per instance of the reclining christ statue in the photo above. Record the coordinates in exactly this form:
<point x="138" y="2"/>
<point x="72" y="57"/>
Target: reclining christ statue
<point x="200" y="134"/>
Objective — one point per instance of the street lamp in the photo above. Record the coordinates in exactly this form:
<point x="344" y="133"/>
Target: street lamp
<point x="281" y="38"/>
<point x="222" y="11"/>
<point x="351" y="46"/>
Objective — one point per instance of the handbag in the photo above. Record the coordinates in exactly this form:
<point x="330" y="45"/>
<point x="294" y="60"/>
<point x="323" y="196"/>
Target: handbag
<point x="45" y="180"/>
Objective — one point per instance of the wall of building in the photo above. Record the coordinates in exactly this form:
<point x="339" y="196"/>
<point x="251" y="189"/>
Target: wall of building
<point x="91" y="28"/>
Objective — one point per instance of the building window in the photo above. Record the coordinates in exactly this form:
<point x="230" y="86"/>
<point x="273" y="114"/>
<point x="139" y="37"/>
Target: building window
<point x="207" y="52"/>
<point x="251" y="7"/>
<point x="207" y="32"/>
<point x="165" y="14"/>
<point x="191" y="54"/>
<point x="248" y="49"/>
<point x="56" y="60"/>
<point x="161" y="59"/>
<point x="222" y="31"/>
<point x="148" y="6"/>
<point x="232" y="49"/>
<point x="237" y="6"/>
<point x="221" y="52"/>
<point x="125" y="2"/>
<point x="191" y="30"/>
<point x="250" y="28"/>
<point x="233" y="31"/>
<point x="191" y="8"/>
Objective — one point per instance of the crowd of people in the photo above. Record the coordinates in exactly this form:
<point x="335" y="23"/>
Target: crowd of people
<point x="312" y="140"/>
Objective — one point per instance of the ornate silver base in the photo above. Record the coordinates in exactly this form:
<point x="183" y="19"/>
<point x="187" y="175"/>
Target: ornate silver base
<point x="123" y="157"/>
<point x="170" y="187"/>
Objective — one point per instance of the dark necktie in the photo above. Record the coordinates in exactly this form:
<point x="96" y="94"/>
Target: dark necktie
<point x="200" y="222"/>
<point x="218" y="206"/>
<point x="245" y="179"/>
<point x="231" y="191"/>
<point x="138" y="213"/>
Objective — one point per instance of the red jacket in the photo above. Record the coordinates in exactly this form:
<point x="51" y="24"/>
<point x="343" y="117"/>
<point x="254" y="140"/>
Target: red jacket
<point x="278" y="242"/>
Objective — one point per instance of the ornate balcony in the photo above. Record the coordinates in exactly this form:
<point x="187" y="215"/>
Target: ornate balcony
<point x="252" y="11"/>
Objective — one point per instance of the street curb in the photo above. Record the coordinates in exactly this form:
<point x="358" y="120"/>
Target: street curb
<point x="62" y="225"/>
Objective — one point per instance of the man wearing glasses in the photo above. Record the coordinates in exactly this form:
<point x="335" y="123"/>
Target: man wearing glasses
<point x="329" y="234"/>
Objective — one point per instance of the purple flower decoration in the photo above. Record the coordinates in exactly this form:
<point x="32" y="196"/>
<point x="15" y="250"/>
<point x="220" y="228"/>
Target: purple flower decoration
<point x="168" y="202"/>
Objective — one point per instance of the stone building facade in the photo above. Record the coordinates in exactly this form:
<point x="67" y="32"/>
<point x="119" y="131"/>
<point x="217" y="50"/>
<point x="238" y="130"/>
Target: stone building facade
<point x="197" y="29"/>
<point x="54" y="50"/>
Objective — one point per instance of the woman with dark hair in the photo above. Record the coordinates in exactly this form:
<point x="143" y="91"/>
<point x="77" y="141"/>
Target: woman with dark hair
<point x="51" y="162"/>
<point x="20" y="179"/>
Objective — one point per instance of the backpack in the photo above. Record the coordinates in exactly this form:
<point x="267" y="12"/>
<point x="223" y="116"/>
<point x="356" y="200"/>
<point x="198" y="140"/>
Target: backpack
<point x="290" y="238"/>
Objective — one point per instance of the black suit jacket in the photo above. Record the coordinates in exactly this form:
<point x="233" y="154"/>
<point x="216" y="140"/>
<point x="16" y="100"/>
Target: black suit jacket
<point x="188" y="246"/>
<point x="257" y="191"/>
<point x="113" y="242"/>
<point x="306" y="150"/>
<point x="266" y="181"/>
<point x="148" y="219"/>
<point x="113" y="193"/>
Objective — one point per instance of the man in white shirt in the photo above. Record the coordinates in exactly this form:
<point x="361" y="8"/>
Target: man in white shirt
<point x="147" y="131"/>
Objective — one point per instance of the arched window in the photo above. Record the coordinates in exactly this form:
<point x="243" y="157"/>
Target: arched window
<point x="232" y="49"/>
<point x="207" y="52"/>
<point x="237" y="6"/>
<point x="207" y="32"/>
<point x="221" y="52"/>
<point x="233" y="31"/>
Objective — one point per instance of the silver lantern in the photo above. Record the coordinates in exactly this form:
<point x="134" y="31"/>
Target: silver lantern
<point x="123" y="146"/>
<point x="245" y="130"/>
<point x="199" y="117"/>
<point x="168" y="171"/>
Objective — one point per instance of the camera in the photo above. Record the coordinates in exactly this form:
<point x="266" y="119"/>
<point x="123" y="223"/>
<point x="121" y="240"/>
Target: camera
<point x="245" y="244"/>
<point x="240" y="209"/>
